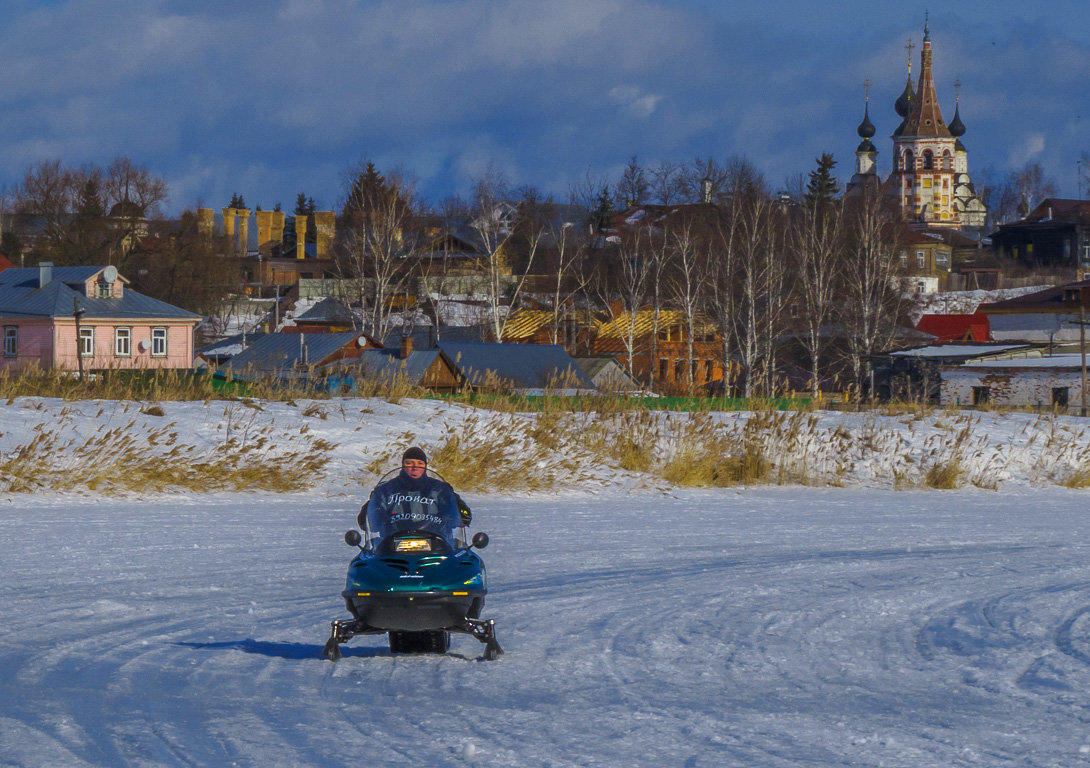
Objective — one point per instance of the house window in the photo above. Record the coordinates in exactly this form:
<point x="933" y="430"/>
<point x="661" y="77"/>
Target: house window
<point x="921" y="259"/>
<point x="1059" y="397"/>
<point x="104" y="290"/>
<point x="663" y="367"/>
<point x="942" y="258"/>
<point x="123" y="342"/>
<point x="904" y="260"/>
<point x="982" y="395"/>
<point x="86" y="342"/>
<point x="709" y="368"/>
<point x="11" y="340"/>
<point x="679" y="369"/>
<point x="158" y="342"/>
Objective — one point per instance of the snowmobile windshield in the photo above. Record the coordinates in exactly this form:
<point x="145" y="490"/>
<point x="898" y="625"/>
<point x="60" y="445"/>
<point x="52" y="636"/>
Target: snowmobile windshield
<point x="400" y="504"/>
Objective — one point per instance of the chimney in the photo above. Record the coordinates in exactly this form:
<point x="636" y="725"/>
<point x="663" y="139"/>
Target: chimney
<point x="45" y="273"/>
<point x="301" y="236"/>
<point x="264" y="230"/>
<point x="229" y="222"/>
<point x="206" y="221"/>
<point x="406" y="347"/>
<point x="243" y="243"/>
<point x="325" y="225"/>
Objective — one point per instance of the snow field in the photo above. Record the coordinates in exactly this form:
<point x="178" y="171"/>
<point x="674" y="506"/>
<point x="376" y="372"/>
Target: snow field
<point x="771" y="627"/>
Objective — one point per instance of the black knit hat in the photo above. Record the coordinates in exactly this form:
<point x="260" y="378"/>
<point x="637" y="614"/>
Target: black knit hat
<point x="414" y="453"/>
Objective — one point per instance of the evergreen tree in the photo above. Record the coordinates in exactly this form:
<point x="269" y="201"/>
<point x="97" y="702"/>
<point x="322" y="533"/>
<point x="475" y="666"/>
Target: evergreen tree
<point x="367" y="187"/>
<point x="603" y="209"/>
<point x="237" y="201"/>
<point x="823" y="187"/>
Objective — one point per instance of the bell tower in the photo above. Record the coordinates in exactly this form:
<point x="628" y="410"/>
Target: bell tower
<point x="930" y="166"/>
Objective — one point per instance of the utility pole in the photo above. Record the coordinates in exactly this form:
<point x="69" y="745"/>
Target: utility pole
<point x="1081" y="322"/>
<point x="77" y="313"/>
<point x="1082" y="351"/>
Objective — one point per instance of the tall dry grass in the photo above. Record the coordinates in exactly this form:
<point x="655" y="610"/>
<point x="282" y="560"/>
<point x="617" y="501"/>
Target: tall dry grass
<point x="132" y="455"/>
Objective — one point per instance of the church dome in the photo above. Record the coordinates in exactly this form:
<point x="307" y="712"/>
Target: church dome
<point x="866" y="146"/>
<point x="866" y="128"/>
<point x="904" y="101"/>
<point x="957" y="128"/>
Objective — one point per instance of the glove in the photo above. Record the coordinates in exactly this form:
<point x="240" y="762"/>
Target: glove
<point x="463" y="509"/>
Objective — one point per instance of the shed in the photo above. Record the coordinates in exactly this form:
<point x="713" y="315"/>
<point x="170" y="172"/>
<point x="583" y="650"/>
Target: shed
<point x="531" y="369"/>
<point x="292" y="355"/>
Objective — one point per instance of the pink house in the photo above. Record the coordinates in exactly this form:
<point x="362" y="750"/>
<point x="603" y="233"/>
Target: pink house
<point x="49" y="314"/>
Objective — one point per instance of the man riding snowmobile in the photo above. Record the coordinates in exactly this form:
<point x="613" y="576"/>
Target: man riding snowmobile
<point x="414" y="579"/>
<point x="414" y="500"/>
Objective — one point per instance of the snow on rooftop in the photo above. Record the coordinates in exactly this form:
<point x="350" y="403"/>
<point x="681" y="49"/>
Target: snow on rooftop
<point x="1050" y="361"/>
<point x="956" y="350"/>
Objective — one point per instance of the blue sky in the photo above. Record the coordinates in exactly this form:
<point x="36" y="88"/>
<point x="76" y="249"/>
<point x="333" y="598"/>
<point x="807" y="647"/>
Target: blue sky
<point x="269" y="99"/>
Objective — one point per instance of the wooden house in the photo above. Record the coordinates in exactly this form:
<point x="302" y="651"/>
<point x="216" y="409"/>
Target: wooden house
<point x="68" y="318"/>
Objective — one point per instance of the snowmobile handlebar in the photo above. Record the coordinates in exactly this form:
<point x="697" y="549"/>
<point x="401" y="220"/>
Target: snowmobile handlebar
<point x="353" y="538"/>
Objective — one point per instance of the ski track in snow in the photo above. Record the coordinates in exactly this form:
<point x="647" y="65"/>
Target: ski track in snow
<point x="764" y="627"/>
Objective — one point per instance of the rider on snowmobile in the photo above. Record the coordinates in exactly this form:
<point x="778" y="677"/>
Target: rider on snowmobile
<point x="414" y="500"/>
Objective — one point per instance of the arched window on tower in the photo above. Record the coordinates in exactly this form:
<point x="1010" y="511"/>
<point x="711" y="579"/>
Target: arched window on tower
<point x="947" y="161"/>
<point x="928" y="160"/>
<point x="909" y="163"/>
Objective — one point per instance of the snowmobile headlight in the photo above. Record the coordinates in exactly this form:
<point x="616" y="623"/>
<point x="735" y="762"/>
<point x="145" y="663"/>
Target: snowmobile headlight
<point x="412" y="545"/>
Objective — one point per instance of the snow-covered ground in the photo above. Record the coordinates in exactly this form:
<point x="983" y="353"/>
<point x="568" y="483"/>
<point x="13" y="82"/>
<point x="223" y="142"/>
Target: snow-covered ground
<point x="963" y="302"/>
<point x="643" y="624"/>
<point x="771" y="627"/>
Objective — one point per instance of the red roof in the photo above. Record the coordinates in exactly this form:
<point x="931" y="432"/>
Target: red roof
<point x="947" y="328"/>
<point x="4" y="263"/>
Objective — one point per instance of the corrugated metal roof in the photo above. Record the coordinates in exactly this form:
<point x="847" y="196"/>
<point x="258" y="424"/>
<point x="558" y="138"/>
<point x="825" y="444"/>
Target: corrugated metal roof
<point x="619" y="327"/>
<point x="28" y="277"/>
<point x="385" y="365"/>
<point x="277" y="353"/>
<point x="523" y="365"/>
<point x="21" y="296"/>
<point x="524" y="324"/>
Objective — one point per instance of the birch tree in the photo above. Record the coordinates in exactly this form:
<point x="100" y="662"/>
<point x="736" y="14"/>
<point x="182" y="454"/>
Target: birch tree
<point x="873" y="293"/>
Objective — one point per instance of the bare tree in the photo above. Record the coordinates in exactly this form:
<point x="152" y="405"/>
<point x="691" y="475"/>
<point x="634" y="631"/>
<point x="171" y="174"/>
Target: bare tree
<point x="815" y="240"/>
<point x="1011" y="195"/>
<point x="89" y="215"/>
<point x="667" y="183"/>
<point x="633" y="187"/>
<point x="873" y="292"/>
<point x="735" y="185"/>
<point x="687" y="285"/>
<point x="379" y="239"/>
<point x="500" y="224"/>
<point x="571" y="243"/>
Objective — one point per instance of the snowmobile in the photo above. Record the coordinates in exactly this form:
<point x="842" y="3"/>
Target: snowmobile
<point x="418" y="587"/>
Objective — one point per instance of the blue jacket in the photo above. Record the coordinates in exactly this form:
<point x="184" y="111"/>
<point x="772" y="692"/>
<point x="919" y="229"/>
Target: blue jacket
<point x="405" y="504"/>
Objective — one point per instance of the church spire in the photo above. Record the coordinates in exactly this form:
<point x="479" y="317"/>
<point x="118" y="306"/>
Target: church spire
<point x="924" y="116"/>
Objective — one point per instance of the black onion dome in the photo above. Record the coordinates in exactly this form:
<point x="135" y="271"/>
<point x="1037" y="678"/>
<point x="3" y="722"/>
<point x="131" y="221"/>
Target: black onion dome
<point x="866" y="146"/>
<point x="956" y="127"/>
<point x="904" y="101"/>
<point x="866" y="128"/>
